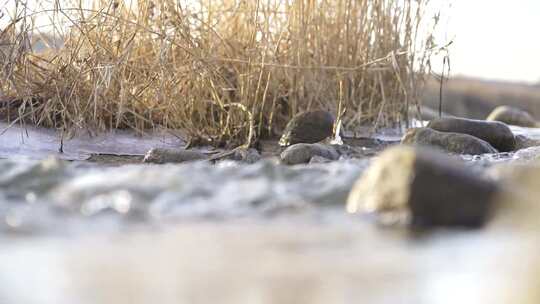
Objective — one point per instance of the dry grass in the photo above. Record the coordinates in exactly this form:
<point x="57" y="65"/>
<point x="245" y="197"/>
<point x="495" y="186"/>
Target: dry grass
<point x="226" y="71"/>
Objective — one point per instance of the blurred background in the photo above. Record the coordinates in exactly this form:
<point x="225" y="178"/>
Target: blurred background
<point x="494" y="39"/>
<point x="493" y="57"/>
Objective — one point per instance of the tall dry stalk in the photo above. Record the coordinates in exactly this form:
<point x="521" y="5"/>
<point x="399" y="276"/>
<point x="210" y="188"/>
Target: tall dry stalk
<point x="226" y="71"/>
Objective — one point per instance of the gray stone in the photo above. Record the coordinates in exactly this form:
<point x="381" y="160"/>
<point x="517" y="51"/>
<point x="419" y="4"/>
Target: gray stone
<point x="302" y="153"/>
<point x="450" y="142"/>
<point x="308" y="127"/>
<point x="512" y="116"/>
<point x="162" y="156"/>
<point x="524" y="142"/>
<point x="319" y="160"/>
<point x="422" y="187"/>
<point x="249" y="156"/>
<point x="495" y="133"/>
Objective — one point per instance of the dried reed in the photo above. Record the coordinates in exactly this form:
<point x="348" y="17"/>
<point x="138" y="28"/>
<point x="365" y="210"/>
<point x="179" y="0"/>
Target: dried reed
<point x="222" y="71"/>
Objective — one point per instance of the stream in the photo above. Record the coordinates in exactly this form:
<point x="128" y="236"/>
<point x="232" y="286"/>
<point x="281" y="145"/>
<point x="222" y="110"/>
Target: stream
<point x="75" y="231"/>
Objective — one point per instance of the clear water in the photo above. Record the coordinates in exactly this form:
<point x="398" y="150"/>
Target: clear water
<point x="41" y="194"/>
<point x="50" y="195"/>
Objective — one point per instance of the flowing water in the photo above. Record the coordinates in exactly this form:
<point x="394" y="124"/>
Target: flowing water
<point x="82" y="232"/>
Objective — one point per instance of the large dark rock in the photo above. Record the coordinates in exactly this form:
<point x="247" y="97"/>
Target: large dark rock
<point x="450" y="142"/>
<point x="496" y="133"/>
<point x="512" y="116"/>
<point x="162" y="156"/>
<point x="423" y="186"/>
<point x="302" y="153"/>
<point x="308" y="127"/>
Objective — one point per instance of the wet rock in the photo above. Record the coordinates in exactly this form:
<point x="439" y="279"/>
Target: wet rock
<point x="512" y="116"/>
<point x="495" y="133"/>
<point x="423" y="187"/>
<point x="319" y="160"/>
<point x="162" y="156"/>
<point x="524" y="142"/>
<point x="249" y="156"/>
<point x="302" y="153"/>
<point x="308" y="127"/>
<point x="450" y="142"/>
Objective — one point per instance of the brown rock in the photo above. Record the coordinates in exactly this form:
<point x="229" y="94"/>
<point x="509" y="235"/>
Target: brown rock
<point x="450" y="142"/>
<point x="424" y="187"/>
<point x="308" y="127"/>
<point x="495" y="133"/>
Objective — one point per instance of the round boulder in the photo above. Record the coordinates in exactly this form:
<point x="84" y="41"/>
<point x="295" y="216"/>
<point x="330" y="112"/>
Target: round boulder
<point x="423" y="187"/>
<point x="308" y="127"/>
<point x="450" y="142"/>
<point x="496" y="133"/>
<point x="512" y="116"/>
<point x="302" y="153"/>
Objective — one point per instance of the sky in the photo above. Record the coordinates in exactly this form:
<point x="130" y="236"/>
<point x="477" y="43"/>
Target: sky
<point x="492" y="39"/>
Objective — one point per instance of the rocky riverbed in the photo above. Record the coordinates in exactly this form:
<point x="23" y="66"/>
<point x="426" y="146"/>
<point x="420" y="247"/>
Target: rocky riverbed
<point x="116" y="230"/>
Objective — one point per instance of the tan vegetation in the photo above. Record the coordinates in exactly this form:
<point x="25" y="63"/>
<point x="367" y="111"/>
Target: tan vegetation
<point x="218" y="70"/>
